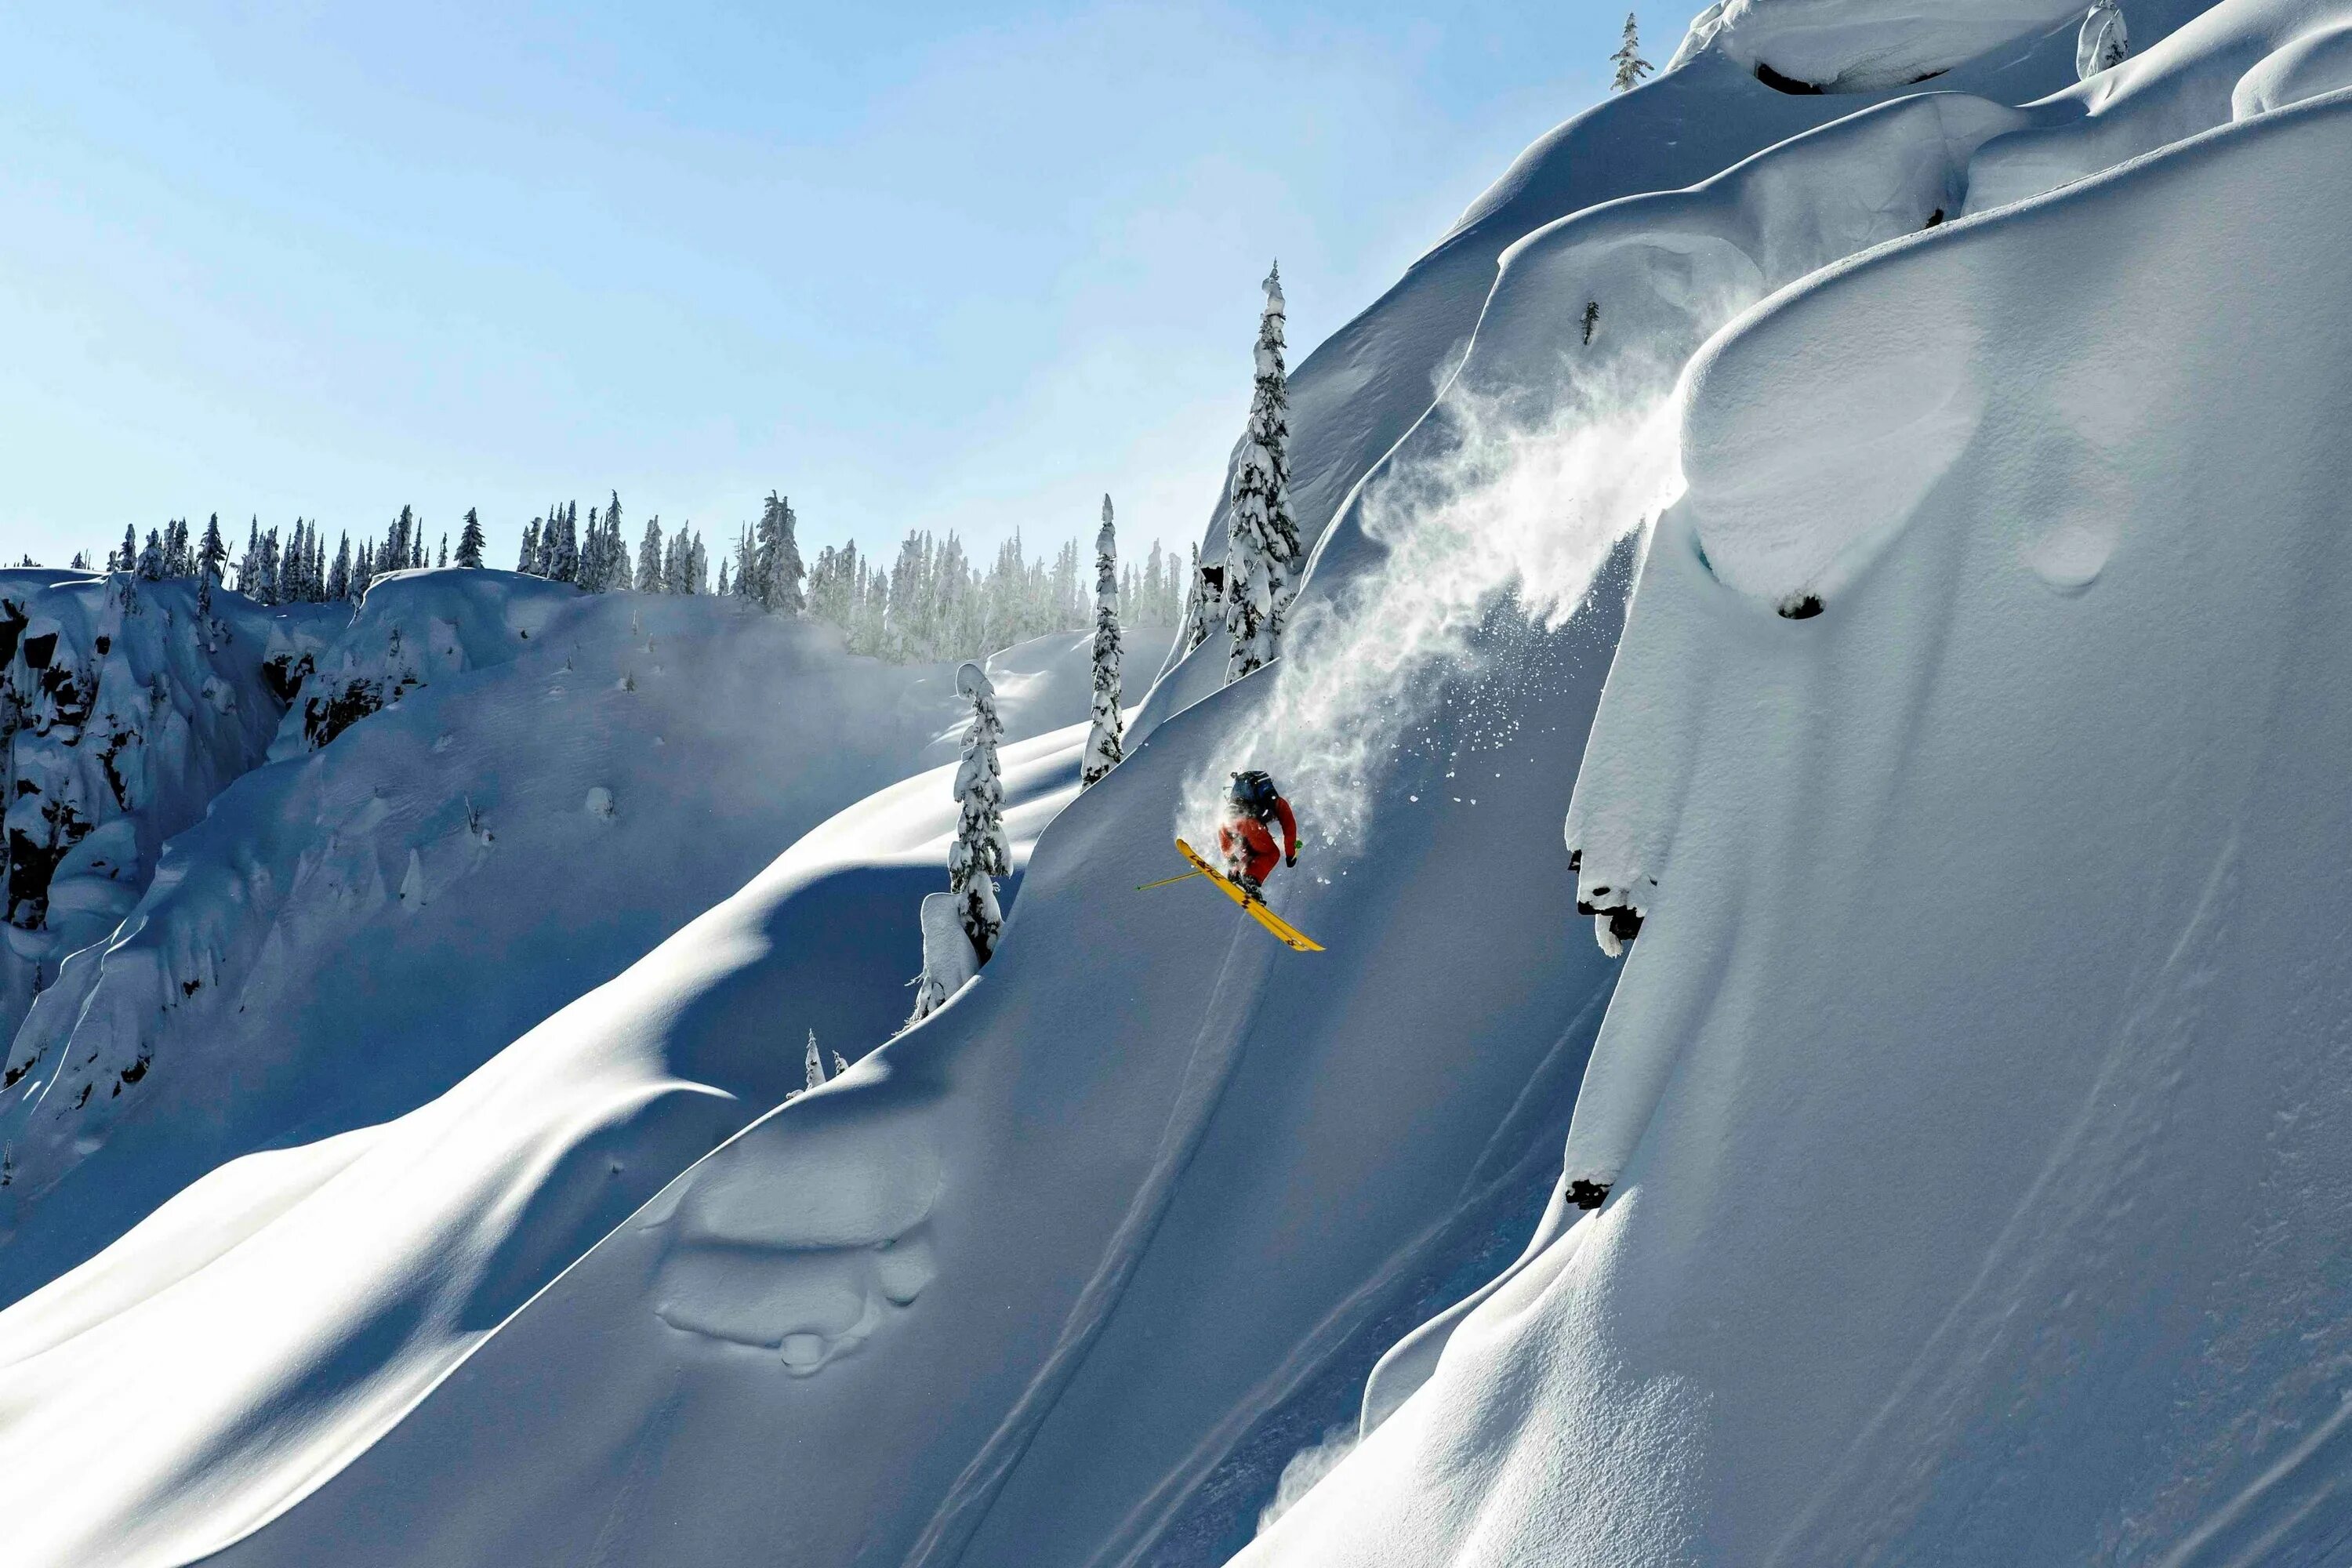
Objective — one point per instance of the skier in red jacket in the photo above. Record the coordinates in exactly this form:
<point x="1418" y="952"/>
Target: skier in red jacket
<point x="1245" y="838"/>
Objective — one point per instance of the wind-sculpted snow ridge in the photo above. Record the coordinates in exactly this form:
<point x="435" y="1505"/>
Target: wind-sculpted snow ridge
<point x="1361" y="391"/>
<point x="1865" y="46"/>
<point x="121" y="715"/>
<point x="1974" y="1106"/>
<point x="559" y="781"/>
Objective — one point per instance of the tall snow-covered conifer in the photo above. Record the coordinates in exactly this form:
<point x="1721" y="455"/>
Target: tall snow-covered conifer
<point x="469" y="541"/>
<point x="1262" y="553"/>
<point x="812" y="1065"/>
<point x="778" y="560"/>
<point x="649" y="558"/>
<point x="1103" y="753"/>
<point x="1630" y="66"/>
<point x="981" y="852"/>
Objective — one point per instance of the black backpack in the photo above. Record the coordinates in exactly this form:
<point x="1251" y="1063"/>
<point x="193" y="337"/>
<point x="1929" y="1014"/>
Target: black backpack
<point x="1254" y="794"/>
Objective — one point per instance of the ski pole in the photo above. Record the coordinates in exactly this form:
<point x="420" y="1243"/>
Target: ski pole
<point x="1168" y="881"/>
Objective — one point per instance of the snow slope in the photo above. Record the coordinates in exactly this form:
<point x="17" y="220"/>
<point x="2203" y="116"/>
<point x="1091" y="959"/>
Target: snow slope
<point x="448" y="861"/>
<point x="1992" y="1209"/>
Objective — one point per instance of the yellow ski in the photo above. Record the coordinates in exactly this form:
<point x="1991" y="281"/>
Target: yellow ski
<point x="1289" y="935"/>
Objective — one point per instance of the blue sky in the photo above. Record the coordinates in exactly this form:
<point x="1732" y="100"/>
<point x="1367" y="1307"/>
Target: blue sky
<point x="921" y="265"/>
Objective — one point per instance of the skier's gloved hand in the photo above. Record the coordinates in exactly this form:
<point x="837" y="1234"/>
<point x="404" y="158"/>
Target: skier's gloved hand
<point x="1291" y="859"/>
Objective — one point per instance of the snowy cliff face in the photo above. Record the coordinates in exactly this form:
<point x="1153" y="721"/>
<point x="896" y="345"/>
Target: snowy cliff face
<point x="121" y="715"/>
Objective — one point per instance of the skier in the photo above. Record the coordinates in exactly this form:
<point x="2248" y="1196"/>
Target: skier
<point x="1245" y="838"/>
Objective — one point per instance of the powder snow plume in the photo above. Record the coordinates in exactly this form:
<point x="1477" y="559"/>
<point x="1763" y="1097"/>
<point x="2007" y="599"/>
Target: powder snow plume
<point x="1507" y="505"/>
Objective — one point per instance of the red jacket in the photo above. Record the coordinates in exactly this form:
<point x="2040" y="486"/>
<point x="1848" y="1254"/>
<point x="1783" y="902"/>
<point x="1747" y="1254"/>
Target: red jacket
<point x="1246" y="842"/>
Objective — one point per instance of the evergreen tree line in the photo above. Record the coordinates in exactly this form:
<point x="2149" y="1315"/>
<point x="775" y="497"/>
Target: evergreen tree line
<point x="293" y="568"/>
<point x="931" y="602"/>
<point x="934" y="603"/>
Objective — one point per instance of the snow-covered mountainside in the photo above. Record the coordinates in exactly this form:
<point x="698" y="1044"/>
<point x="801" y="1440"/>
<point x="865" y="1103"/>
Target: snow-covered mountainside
<point x="562" y="780"/>
<point x="1954" y="1178"/>
<point x="124" y="708"/>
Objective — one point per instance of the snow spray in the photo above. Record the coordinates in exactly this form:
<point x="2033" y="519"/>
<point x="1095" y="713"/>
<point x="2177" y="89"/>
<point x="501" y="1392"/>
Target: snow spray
<point x="1477" y="502"/>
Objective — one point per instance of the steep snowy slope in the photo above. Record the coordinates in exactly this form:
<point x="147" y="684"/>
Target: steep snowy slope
<point x="567" y="780"/>
<point x="1365" y="387"/>
<point x="1974" y="1096"/>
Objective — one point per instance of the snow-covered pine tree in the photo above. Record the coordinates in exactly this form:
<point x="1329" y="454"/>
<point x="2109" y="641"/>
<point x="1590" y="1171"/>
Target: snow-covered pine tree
<point x="2103" y="43"/>
<point x="778" y="562"/>
<point x="1102" y="753"/>
<point x="649" y="558"/>
<point x="265" y="590"/>
<point x="527" y="559"/>
<point x="128" y="560"/>
<point x="981" y="852"/>
<point x="469" y="540"/>
<point x="444" y="559"/>
<point x="812" y="1065"/>
<point x="363" y="570"/>
<point x="564" y="558"/>
<point x="1197" y="604"/>
<point x="725" y="587"/>
<point x="151" y="559"/>
<point x="743" y="563"/>
<point x="339" y="578"/>
<point x="1262" y="555"/>
<point x="211" y="554"/>
<point x="697" y="568"/>
<point x="1630" y="66"/>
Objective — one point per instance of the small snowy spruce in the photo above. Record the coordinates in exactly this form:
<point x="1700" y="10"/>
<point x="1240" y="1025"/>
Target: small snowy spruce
<point x="812" y="1065"/>
<point x="1199" y="601"/>
<point x="1103" y="752"/>
<point x="981" y="852"/>
<point x="1630" y="66"/>
<point x="2103" y="42"/>
<point x="1262" y="555"/>
<point x="469" y="541"/>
